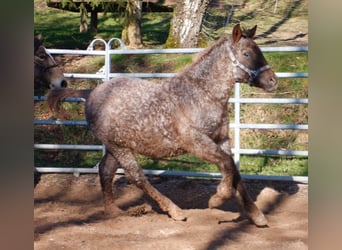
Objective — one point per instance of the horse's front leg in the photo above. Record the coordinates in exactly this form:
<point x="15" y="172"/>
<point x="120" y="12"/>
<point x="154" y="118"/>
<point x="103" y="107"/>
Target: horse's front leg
<point x="244" y="198"/>
<point x="205" y="148"/>
<point x="219" y="153"/>
<point x="227" y="182"/>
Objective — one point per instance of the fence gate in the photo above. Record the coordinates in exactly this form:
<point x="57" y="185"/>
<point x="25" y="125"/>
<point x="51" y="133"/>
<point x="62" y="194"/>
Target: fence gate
<point x="105" y="74"/>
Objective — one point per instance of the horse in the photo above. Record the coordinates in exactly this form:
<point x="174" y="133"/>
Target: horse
<point x="187" y="113"/>
<point x="47" y="73"/>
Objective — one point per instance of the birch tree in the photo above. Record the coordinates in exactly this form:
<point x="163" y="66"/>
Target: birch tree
<point x="186" y="23"/>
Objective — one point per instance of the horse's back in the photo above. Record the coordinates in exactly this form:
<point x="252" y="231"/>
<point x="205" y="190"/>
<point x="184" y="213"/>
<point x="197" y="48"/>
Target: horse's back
<point x="133" y="113"/>
<point x="122" y="87"/>
<point x="124" y="96"/>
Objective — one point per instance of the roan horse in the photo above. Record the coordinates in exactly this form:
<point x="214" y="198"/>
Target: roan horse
<point x="184" y="114"/>
<point x="47" y="73"/>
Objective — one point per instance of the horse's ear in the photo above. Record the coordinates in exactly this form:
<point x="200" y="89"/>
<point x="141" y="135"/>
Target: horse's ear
<point x="39" y="37"/>
<point x="252" y="31"/>
<point x="237" y="33"/>
<point x="38" y="41"/>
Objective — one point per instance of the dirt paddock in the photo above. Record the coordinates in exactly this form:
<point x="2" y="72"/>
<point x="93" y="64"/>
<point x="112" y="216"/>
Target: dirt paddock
<point x="68" y="214"/>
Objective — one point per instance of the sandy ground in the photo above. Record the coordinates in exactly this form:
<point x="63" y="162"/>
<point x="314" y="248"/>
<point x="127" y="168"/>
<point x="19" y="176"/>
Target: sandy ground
<point x="68" y="214"/>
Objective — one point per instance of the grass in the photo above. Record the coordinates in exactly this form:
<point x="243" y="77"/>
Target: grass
<point x="265" y="165"/>
<point x="60" y="30"/>
<point x="150" y="63"/>
<point x="154" y="28"/>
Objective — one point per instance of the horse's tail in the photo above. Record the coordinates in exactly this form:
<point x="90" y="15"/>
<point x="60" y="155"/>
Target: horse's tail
<point x="56" y="96"/>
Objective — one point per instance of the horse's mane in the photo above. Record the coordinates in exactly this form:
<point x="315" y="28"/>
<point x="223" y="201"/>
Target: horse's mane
<point x="207" y="51"/>
<point x="199" y="58"/>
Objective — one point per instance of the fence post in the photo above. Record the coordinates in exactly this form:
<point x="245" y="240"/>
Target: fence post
<point x="91" y="48"/>
<point x="237" y="124"/>
<point x="109" y="45"/>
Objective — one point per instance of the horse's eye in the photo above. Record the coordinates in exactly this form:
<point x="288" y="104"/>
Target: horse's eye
<point x="246" y="54"/>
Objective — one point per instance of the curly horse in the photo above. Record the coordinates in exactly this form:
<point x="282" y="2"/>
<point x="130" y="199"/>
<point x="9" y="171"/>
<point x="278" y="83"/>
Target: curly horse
<point x="184" y="114"/>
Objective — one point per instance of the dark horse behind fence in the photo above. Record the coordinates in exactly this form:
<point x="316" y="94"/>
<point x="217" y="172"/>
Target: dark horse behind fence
<point x="47" y="73"/>
<point x="184" y="114"/>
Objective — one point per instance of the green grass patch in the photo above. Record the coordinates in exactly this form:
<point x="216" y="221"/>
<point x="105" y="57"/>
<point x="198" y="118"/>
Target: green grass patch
<point x="259" y="165"/>
<point x="155" y="63"/>
<point x="67" y="158"/>
<point x="60" y="28"/>
<point x="181" y="163"/>
<point x="266" y="165"/>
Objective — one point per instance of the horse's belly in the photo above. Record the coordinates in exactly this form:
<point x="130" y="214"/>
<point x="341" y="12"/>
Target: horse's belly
<point x="149" y="142"/>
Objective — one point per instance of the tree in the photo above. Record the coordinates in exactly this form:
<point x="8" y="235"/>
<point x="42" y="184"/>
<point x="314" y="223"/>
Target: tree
<point x="129" y="10"/>
<point x="131" y="33"/>
<point x="83" y="19"/>
<point x="186" y="23"/>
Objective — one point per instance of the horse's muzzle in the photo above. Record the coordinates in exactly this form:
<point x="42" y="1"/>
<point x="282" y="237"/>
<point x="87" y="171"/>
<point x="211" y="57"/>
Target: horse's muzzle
<point x="59" y="85"/>
<point x="272" y="84"/>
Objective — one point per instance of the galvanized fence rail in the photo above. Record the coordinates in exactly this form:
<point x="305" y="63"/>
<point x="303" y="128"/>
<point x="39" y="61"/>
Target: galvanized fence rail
<point x="105" y="74"/>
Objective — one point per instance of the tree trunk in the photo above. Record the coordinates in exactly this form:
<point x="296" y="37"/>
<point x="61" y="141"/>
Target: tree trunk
<point x="93" y="21"/>
<point x="83" y="19"/>
<point x="131" y="34"/>
<point x="186" y="23"/>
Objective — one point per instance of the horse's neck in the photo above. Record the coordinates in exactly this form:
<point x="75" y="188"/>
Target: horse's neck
<point x="213" y="73"/>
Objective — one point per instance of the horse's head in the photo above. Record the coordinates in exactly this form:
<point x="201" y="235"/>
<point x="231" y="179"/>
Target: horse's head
<point x="47" y="73"/>
<point x="249" y="64"/>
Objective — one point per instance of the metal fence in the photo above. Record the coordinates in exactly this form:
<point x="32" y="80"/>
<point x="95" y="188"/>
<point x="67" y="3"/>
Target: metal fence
<point x="105" y="74"/>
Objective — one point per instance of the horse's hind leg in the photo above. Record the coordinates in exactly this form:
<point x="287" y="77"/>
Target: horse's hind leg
<point x="135" y="174"/>
<point x="107" y="169"/>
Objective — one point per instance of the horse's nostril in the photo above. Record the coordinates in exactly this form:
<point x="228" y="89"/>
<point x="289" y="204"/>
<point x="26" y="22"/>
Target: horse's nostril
<point x="273" y="80"/>
<point x="64" y="84"/>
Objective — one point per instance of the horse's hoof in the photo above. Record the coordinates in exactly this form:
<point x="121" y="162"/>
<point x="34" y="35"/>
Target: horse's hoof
<point x="215" y="201"/>
<point x="260" y="220"/>
<point x="179" y="218"/>
<point x="113" y="212"/>
<point x="177" y="215"/>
